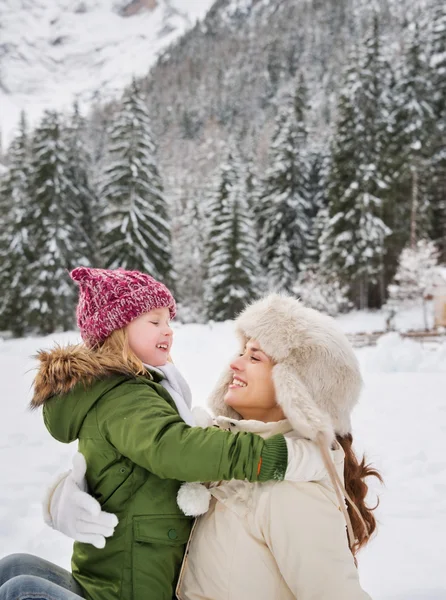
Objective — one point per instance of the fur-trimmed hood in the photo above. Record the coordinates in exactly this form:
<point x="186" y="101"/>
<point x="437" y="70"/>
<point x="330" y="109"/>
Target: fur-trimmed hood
<point x="62" y="368"/>
<point x="316" y="375"/>
<point x="57" y="389"/>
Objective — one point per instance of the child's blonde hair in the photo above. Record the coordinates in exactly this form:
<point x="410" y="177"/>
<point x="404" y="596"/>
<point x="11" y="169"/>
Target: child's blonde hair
<point x="116" y="349"/>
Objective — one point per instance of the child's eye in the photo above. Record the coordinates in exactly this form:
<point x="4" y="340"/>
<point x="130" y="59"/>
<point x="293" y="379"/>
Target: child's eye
<point x="154" y="322"/>
<point x="255" y="359"/>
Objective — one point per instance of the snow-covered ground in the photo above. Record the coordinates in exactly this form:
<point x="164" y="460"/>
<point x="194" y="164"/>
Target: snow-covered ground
<point x="401" y="423"/>
<point x="405" y="320"/>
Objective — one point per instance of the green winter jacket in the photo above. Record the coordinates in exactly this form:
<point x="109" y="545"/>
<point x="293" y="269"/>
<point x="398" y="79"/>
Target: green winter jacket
<point x="139" y="451"/>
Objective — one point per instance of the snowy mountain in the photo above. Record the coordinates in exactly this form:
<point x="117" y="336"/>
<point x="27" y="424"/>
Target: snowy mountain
<point x="52" y="51"/>
<point x="347" y="95"/>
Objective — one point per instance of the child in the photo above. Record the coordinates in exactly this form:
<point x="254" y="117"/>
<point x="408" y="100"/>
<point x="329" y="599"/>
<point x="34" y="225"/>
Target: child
<point x="108" y="393"/>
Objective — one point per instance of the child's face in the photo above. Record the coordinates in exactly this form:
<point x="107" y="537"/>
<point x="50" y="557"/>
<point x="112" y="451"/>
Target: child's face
<point x="150" y="336"/>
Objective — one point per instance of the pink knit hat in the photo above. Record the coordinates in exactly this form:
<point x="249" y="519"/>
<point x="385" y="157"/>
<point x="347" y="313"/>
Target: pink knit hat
<point x="110" y="299"/>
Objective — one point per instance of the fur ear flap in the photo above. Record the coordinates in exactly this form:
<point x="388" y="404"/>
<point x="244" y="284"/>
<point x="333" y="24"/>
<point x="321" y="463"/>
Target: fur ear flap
<point x="299" y="407"/>
<point x="216" y="400"/>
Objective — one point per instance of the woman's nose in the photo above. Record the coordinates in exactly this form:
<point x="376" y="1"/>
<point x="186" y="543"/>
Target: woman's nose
<point x="236" y="364"/>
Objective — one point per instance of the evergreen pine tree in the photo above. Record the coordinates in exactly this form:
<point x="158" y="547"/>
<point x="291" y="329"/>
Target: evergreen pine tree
<point x="318" y="205"/>
<point x="232" y="267"/>
<point x="321" y="292"/>
<point x="188" y="256"/>
<point x="252" y="185"/>
<point x="54" y="232"/>
<point x="15" y="249"/>
<point x="136" y="229"/>
<point x="414" y="127"/>
<point x="216" y="208"/>
<point x="281" y="271"/>
<point x="283" y="212"/>
<point x="438" y="57"/>
<point x="415" y="275"/>
<point x="438" y="66"/>
<point x="352" y="245"/>
<point x="80" y="175"/>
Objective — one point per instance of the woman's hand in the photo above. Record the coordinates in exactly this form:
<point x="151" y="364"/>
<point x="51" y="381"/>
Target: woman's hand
<point x="68" y="508"/>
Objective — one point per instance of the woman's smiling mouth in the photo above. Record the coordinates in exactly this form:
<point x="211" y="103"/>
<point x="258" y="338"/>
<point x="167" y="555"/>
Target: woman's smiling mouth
<point x="237" y="383"/>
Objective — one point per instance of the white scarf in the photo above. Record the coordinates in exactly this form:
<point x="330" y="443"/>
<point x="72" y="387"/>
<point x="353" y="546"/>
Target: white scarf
<point x="178" y="388"/>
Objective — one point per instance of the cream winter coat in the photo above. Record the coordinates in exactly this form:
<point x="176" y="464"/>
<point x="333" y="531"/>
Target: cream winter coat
<point x="283" y="540"/>
<point x="271" y="541"/>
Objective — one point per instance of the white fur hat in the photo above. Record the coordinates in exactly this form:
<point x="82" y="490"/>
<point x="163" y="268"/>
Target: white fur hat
<point x="316" y="375"/>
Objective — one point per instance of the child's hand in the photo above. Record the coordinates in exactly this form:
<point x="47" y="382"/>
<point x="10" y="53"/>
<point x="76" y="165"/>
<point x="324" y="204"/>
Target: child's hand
<point x="201" y="417"/>
<point x="71" y="510"/>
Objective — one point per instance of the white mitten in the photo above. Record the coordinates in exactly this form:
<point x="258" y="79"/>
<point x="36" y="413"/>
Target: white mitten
<point x="201" y="417"/>
<point x="305" y="462"/>
<point x="68" y="508"/>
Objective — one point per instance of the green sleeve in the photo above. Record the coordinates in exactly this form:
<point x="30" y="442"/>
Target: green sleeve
<point x="143" y="426"/>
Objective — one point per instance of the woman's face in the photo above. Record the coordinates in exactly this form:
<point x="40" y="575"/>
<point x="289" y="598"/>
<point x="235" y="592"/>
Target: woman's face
<point x="252" y="392"/>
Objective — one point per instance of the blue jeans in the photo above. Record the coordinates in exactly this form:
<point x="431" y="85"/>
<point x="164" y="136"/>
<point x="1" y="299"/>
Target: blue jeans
<point x="27" y="577"/>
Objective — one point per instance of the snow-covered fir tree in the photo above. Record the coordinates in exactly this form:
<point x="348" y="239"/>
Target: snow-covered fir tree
<point x="416" y="273"/>
<point x="232" y="267"/>
<point x="80" y="174"/>
<point x="352" y="245"/>
<point x="438" y="56"/>
<point x="252" y="185"/>
<point x="16" y="251"/>
<point x="317" y="197"/>
<point x="135" y="222"/>
<point x="216" y="207"/>
<point x="414" y="122"/>
<point x="281" y="271"/>
<point x="438" y="168"/>
<point x="188" y="257"/>
<point x="284" y="207"/>
<point x="321" y="292"/>
<point x="54" y="232"/>
<point x="209" y="87"/>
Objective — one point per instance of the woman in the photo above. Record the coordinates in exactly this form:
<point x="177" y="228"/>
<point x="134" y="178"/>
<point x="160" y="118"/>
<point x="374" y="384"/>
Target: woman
<point x="284" y="540"/>
<point x="279" y="540"/>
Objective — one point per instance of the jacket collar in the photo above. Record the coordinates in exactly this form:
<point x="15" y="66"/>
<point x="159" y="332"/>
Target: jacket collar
<point x="62" y="368"/>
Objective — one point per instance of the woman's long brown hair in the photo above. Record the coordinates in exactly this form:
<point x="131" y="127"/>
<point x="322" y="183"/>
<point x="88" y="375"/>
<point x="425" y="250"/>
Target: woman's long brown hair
<point x="355" y="473"/>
